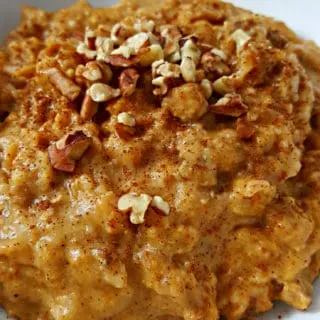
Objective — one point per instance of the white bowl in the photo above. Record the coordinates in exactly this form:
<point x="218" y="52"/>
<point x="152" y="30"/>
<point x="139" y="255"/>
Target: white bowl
<point x="302" y="16"/>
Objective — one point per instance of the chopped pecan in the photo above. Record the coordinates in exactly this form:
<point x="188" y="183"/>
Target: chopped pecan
<point x="127" y="119"/>
<point x="90" y="38"/>
<point x="190" y="50"/>
<point x="164" y="75"/>
<point x="241" y="38"/>
<point x="204" y="47"/>
<point x="170" y="31"/>
<point x="88" y="108"/>
<point x="170" y="35"/>
<point x="200" y="75"/>
<point x="100" y="92"/>
<point x="221" y="54"/>
<point x="132" y="45"/>
<point x="191" y="37"/>
<point x="213" y="64"/>
<point x="150" y="54"/>
<point x="162" y="86"/>
<point x="207" y="88"/>
<point x="92" y="71"/>
<point x="160" y="205"/>
<point x="64" y="153"/>
<point x="137" y="204"/>
<point x="121" y="61"/>
<point x="119" y="33"/>
<point x="124" y="132"/>
<point x="104" y="47"/>
<point x="165" y="69"/>
<point x="84" y="50"/>
<point x="244" y="129"/>
<point x="188" y="69"/>
<point x="107" y="73"/>
<point x="230" y="105"/>
<point x="78" y="74"/>
<point x="65" y="85"/>
<point x="128" y="81"/>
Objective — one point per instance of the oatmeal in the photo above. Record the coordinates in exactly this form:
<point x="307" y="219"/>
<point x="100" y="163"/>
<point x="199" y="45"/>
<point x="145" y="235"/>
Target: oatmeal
<point x="158" y="161"/>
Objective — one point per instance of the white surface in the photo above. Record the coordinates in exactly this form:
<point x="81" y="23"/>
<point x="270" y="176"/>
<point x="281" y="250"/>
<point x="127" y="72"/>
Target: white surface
<point x="302" y="16"/>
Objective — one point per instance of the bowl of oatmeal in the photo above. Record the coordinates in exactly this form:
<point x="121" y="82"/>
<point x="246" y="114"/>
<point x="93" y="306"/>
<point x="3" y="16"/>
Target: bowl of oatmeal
<point x="158" y="161"/>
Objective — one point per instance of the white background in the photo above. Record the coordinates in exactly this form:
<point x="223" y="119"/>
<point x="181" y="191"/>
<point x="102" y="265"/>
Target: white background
<point x="301" y="15"/>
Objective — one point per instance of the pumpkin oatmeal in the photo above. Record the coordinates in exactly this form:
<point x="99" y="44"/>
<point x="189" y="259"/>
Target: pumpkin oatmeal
<point x="158" y="161"/>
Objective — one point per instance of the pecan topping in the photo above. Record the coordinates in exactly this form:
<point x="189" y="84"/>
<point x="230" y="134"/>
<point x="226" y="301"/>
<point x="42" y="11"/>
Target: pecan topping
<point x="64" y="153"/>
<point x="164" y="75"/>
<point x="128" y="81"/>
<point x="207" y="88"/>
<point x="83" y="49"/>
<point x="132" y="45"/>
<point x="160" y="205"/>
<point x="90" y="38"/>
<point x="119" y="33"/>
<point x="214" y="64"/>
<point x="170" y="36"/>
<point x="188" y="69"/>
<point x="165" y="69"/>
<point x="117" y="60"/>
<point x="241" y="38"/>
<point x="137" y="204"/>
<point x="88" y="108"/>
<point x="244" y="128"/>
<point x="92" y="71"/>
<point x="229" y="105"/>
<point x="190" y="50"/>
<point x="65" y="85"/>
<point x="104" y="48"/>
<point x="100" y="92"/>
<point x="150" y="54"/>
<point x="127" y="119"/>
<point x="124" y="132"/>
<point x="163" y="85"/>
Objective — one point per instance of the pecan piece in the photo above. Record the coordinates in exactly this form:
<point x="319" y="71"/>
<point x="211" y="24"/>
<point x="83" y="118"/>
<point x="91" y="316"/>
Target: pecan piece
<point x="137" y="204"/>
<point x="165" y="69"/>
<point x="90" y="38"/>
<point x="188" y="69"/>
<point x="64" y="153"/>
<point x="244" y="129"/>
<point x="92" y="71"/>
<point x="160" y="205"/>
<point x="190" y="50"/>
<point x="230" y="105"/>
<point x="88" y="108"/>
<point x="214" y="64"/>
<point x="124" y="132"/>
<point x="170" y="36"/>
<point x="128" y="81"/>
<point x="163" y="85"/>
<point x="207" y="88"/>
<point x="241" y="38"/>
<point x="117" y="60"/>
<point x="65" y="85"/>
<point x="127" y="119"/>
<point x="100" y="92"/>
